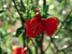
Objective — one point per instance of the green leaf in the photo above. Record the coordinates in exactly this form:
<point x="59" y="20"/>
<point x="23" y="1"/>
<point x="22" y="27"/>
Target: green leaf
<point x="38" y="40"/>
<point x="33" y="14"/>
<point x="19" y="31"/>
<point x="29" y="51"/>
<point x="0" y="50"/>
<point x="1" y="11"/>
<point x="45" y="12"/>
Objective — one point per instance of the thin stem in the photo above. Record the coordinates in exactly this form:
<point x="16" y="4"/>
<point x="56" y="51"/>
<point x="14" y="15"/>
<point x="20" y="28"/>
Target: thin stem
<point x="66" y="18"/>
<point x="33" y="42"/>
<point x="24" y="39"/>
<point x="44" y="4"/>
<point x="48" y="46"/>
<point x="66" y="47"/>
<point x="21" y="18"/>
<point x="56" y="48"/>
<point x="41" y="44"/>
<point x="37" y="2"/>
<point x="36" y="47"/>
<point x="36" y="50"/>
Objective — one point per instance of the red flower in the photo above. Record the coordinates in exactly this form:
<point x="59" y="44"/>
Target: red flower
<point x="33" y="28"/>
<point x="38" y="17"/>
<point x="51" y="25"/>
<point x="44" y="21"/>
<point x="20" y="51"/>
<point x="36" y="10"/>
<point x="25" y="51"/>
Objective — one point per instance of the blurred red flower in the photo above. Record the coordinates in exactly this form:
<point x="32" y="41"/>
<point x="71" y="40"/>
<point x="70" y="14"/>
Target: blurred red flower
<point x="20" y="51"/>
<point x="36" y="10"/>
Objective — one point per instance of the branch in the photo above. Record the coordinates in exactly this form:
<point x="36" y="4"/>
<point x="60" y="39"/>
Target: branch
<point x="21" y="18"/>
<point x="41" y="44"/>
<point x="66" y="18"/>
<point x="36" y="50"/>
<point x="66" y="47"/>
<point x="42" y="38"/>
<point x="44" y="4"/>
<point x="33" y="43"/>
<point x="37" y="2"/>
<point x="48" y="46"/>
<point x="36" y="47"/>
<point x="56" y="48"/>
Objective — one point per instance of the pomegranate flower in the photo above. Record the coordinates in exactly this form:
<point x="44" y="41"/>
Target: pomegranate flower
<point x="20" y="51"/>
<point x="33" y="28"/>
<point x="38" y="25"/>
<point x="36" y="10"/>
<point x="38" y="17"/>
<point x="44" y="21"/>
<point x="51" y="25"/>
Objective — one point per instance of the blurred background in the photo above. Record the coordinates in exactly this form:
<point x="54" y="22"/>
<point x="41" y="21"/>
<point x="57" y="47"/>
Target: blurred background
<point x="10" y="22"/>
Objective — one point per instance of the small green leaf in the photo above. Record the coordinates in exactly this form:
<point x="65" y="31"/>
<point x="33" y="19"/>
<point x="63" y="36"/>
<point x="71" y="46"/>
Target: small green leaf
<point x="0" y="50"/>
<point x="38" y="40"/>
<point x="29" y="51"/>
<point x="1" y="11"/>
<point x="19" y="31"/>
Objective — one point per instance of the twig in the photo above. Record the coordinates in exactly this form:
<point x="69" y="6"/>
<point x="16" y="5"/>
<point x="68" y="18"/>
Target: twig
<point x="41" y="44"/>
<point x="54" y="43"/>
<point x="48" y="46"/>
<point x="21" y="18"/>
<point x="36" y="50"/>
<point x="64" y="22"/>
<point x="44" y="4"/>
<point x="59" y="50"/>
<point x="66" y="48"/>
<point x="42" y="38"/>
<point x="56" y="48"/>
<point x="37" y="2"/>
<point x="33" y="42"/>
<point x="36" y="47"/>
